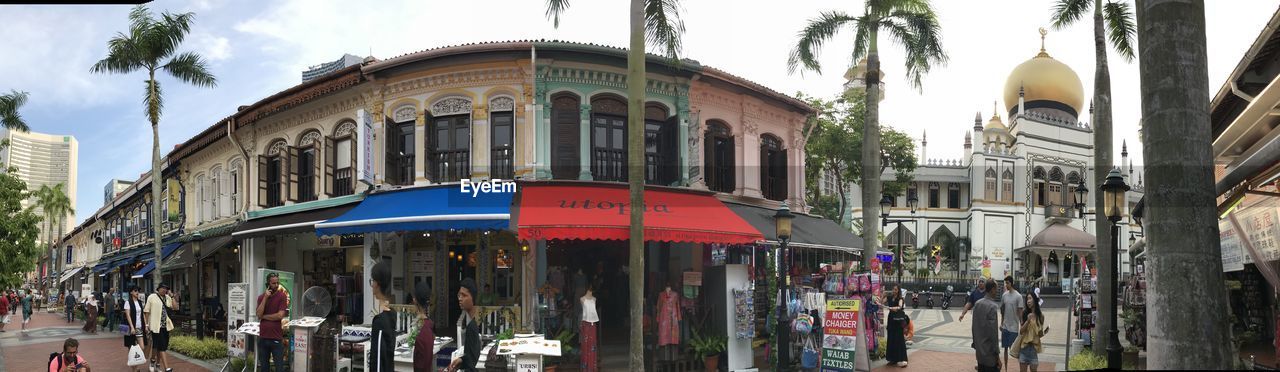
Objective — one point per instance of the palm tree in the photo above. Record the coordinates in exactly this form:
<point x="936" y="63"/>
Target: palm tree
<point x="1182" y="218"/>
<point x="913" y="25"/>
<point x="1116" y="18"/>
<point x="9" y="116"/>
<point x="657" y="22"/>
<point x="56" y="205"/>
<point x="43" y="198"/>
<point x="151" y="45"/>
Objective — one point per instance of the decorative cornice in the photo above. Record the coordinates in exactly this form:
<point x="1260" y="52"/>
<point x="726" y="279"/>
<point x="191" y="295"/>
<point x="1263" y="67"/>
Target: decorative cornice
<point x="344" y="106"/>
<point x="513" y="75"/>
<point x="606" y="79"/>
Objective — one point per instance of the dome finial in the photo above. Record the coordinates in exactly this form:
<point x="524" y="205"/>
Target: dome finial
<point x="1043" y="33"/>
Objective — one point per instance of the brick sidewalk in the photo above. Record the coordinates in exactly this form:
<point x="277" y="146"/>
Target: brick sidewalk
<point x="105" y="351"/>
<point x="926" y="360"/>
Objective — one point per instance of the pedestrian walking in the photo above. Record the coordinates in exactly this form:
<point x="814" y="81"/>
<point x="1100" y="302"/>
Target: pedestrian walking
<point x="383" y="344"/>
<point x="1011" y="306"/>
<point x="986" y="325"/>
<point x="468" y="353"/>
<point x="26" y="309"/>
<point x="108" y="304"/>
<point x="132" y="311"/>
<point x="975" y="294"/>
<point x="4" y="310"/>
<point x="424" y="359"/>
<point x="896" y="349"/>
<point x="1028" y="347"/>
<point x="91" y="314"/>
<point x="156" y="311"/>
<point x="71" y="306"/>
<point x="272" y="308"/>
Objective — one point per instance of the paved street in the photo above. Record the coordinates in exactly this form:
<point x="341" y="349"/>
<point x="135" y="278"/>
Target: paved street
<point x="942" y="343"/>
<point x="105" y="352"/>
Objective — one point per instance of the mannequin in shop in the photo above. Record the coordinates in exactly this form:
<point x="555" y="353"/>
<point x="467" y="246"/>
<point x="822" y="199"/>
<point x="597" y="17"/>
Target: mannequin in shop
<point x="669" y="323"/>
<point x="588" y="332"/>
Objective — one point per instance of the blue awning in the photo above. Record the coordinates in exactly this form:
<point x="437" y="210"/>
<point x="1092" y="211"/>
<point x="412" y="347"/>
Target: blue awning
<point x="166" y="251"/>
<point x="423" y="209"/>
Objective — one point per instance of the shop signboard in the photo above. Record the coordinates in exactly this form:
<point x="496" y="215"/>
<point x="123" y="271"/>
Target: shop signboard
<point x="364" y="154"/>
<point x="693" y="278"/>
<point x="840" y="335"/>
<point x="238" y="306"/>
<point x="1259" y="225"/>
<point x="1232" y="253"/>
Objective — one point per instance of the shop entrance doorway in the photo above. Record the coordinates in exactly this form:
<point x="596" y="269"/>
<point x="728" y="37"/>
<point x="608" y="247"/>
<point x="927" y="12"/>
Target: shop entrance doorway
<point x="462" y="264"/>
<point x="600" y="264"/>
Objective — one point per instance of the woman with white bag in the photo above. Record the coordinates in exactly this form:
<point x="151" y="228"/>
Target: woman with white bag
<point x="135" y="339"/>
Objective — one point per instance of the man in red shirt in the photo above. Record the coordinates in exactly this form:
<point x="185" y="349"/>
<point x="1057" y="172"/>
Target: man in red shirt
<point x="272" y="308"/>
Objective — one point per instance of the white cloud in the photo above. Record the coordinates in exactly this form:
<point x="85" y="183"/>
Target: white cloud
<point x="212" y="47"/>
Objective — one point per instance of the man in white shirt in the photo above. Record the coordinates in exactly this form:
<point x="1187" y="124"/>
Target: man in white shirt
<point x="1011" y="308"/>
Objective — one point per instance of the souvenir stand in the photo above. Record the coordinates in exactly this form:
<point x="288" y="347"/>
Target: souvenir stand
<point x="1135" y="300"/>
<point x="1086" y="308"/>
<point x="835" y="282"/>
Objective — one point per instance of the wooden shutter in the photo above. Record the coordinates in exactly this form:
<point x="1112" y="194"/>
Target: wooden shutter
<point x="670" y="143"/>
<point x="391" y="147"/>
<point x="290" y="179"/>
<point x="224" y="195"/>
<point x="355" y="170"/>
<point x="709" y="176"/>
<point x="330" y="159"/>
<point x="262" y="181"/>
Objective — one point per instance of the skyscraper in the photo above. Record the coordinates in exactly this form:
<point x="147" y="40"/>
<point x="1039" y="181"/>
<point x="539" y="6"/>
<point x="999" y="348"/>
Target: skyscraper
<point x="43" y="159"/>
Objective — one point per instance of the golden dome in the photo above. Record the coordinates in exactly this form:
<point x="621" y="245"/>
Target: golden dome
<point x="1045" y="79"/>
<point x="995" y="124"/>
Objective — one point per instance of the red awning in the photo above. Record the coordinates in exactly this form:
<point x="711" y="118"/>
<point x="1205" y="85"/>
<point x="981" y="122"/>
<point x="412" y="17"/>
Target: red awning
<point x="601" y="212"/>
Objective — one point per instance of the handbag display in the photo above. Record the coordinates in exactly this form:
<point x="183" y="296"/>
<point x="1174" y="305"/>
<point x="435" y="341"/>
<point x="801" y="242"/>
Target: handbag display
<point x="809" y="357"/>
<point x="803" y="324"/>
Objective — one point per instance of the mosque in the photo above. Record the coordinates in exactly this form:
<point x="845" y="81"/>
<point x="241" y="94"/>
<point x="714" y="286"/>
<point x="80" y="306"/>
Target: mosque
<point x="1008" y="205"/>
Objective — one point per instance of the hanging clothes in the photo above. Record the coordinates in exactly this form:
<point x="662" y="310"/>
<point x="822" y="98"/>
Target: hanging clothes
<point x="668" y="318"/>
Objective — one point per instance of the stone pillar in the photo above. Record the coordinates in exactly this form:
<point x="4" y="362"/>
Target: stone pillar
<point x="749" y="148"/>
<point x="479" y="141"/>
<point x="420" y="148"/>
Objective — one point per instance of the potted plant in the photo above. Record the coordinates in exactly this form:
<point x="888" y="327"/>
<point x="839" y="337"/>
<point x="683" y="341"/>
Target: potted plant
<point x="1130" y="356"/>
<point x="566" y="338"/>
<point x="709" y="348"/>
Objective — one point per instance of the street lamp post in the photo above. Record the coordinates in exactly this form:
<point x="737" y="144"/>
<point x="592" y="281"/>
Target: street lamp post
<point x="885" y="203"/>
<point x="1114" y="204"/>
<point x="782" y="220"/>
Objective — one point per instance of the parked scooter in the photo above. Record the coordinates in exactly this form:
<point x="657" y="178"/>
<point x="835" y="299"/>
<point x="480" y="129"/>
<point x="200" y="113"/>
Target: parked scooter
<point x="946" y="297"/>
<point x="928" y="302"/>
<point x="915" y="300"/>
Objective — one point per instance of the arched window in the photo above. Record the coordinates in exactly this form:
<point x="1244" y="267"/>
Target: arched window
<point x="1073" y="182"/>
<point x="1006" y="182"/>
<point x="340" y="160"/>
<point x="609" y="138"/>
<point x="502" y="124"/>
<point x="719" y="157"/>
<point x="566" y="119"/>
<point x="661" y="156"/>
<point x="773" y="172"/>
<point x="1037" y="176"/>
<point x="934" y="192"/>
<point x="308" y="165"/>
<point x="1054" y="196"/>
<point x="449" y="148"/>
<point x="990" y="189"/>
<point x="274" y="173"/>
<point x="399" y="146"/>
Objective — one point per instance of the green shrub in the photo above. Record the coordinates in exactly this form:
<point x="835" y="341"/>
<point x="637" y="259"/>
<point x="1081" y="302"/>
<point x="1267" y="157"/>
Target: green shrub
<point x="209" y="348"/>
<point x="1086" y="360"/>
<point x="239" y="364"/>
<point x="881" y="349"/>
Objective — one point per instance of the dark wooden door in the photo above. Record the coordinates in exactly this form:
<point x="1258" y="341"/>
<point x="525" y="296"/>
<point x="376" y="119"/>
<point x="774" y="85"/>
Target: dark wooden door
<point x="565" y="126"/>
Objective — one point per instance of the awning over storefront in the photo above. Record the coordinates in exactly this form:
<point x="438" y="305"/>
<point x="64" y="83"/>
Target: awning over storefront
<point x="575" y="211"/>
<point x="212" y="245"/>
<point x="806" y="230"/>
<point x="181" y="258"/>
<point x="166" y="251"/>
<point x="1059" y="236"/>
<point x="423" y="209"/>
<point x="69" y="274"/>
<point x="292" y="223"/>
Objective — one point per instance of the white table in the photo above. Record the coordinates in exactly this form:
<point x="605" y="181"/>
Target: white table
<point x="404" y="355"/>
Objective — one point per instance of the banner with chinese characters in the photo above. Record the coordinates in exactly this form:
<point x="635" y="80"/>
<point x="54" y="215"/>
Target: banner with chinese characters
<point x="1259" y="226"/>
<point x="840" y="335"/>
<point x="1232" y="253"/>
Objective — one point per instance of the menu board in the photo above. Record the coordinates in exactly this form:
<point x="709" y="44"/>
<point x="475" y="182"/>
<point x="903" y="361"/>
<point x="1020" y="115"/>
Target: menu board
<point x="1232" y="251"/>
<point x="237" y="304"/>
<point x="840" y="335"/>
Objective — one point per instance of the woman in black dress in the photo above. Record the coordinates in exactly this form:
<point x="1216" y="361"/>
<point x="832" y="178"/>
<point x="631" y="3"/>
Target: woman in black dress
<point x="383" y="343"/>
<point x="896" y="349"/>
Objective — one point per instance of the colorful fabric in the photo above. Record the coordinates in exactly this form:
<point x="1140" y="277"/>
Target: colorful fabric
<point x="668" y="318"/>
<point x="588" y="338"/>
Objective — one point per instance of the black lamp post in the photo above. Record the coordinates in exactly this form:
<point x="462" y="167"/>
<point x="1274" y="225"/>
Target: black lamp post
<point x="885" y="204"/>
<point x="782" y="220"/>
<point x="1113" y="206"/>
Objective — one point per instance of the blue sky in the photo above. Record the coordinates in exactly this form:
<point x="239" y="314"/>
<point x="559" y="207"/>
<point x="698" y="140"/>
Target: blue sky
<point x="257" y="48"/>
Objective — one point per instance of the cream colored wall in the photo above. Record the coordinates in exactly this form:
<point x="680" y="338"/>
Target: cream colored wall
<point x="220" y="154"/>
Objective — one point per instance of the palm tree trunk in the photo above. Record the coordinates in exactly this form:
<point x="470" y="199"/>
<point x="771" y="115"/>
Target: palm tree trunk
<point x="1102" y="165"/>
<point x="1181" y="222"/>
<point x="157" y="179"/>
<point x="871" y="156"/>
<point x="635" y="179"/>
